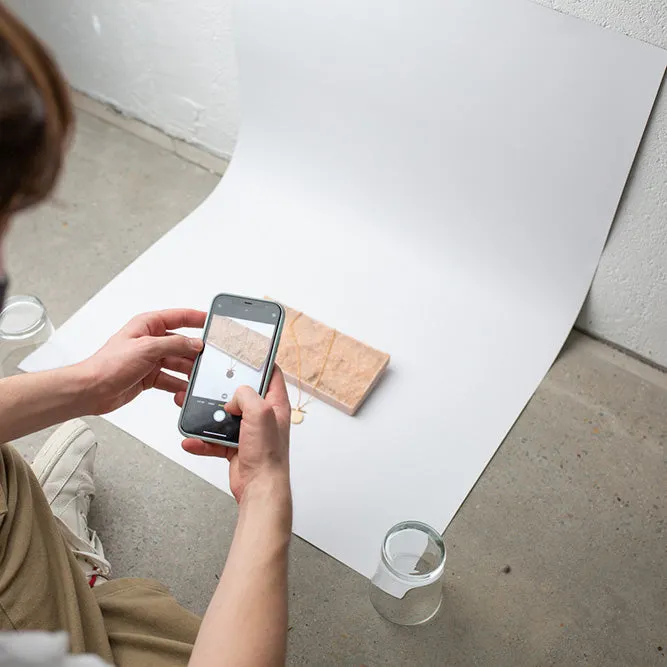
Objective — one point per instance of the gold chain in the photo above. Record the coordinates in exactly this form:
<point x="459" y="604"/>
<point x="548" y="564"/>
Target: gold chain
<point x="233" y="363"/>
<point x="299" y="405"/>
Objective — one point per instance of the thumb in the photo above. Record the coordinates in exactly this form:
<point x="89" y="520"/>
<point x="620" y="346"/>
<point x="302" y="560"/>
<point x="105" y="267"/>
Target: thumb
<point x="159" y="347"/>
<point x="245" y="401"/>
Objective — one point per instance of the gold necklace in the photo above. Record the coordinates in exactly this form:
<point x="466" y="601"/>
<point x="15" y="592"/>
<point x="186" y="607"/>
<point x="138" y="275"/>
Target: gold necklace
<point x="232" y="367"/>
<point x="231" y="371"/>
<point x="298" y="412"/>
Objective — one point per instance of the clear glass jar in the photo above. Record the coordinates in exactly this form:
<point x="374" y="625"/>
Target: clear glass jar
<point x="407" y="586"/>
<point x="24" y="326"/>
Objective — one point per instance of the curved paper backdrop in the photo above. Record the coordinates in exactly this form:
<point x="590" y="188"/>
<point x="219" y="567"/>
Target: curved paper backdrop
<point x="436" y="179"/>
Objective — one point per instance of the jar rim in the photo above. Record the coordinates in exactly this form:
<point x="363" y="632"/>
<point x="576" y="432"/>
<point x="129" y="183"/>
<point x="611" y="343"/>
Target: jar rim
<point x="432" y="534"/>
<point x="30" y="330"/>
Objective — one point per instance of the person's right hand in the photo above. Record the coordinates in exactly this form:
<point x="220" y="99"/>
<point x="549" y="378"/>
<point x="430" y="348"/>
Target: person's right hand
<point x="263" y="452"/>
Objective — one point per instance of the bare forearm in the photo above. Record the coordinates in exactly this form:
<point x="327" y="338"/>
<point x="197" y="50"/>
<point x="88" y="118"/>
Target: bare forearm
<point x="246" y="622"/>
<point x="31" y="402"/>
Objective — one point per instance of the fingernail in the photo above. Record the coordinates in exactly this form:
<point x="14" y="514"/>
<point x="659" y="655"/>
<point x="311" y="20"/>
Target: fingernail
<point x="197" y="344"/>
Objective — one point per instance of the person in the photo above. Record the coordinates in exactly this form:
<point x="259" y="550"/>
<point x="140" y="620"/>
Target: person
<point x="54" y="577"/>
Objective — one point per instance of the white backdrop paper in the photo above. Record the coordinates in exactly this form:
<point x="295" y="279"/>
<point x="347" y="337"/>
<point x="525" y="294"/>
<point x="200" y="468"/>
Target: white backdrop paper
<point x="434" y="178"/>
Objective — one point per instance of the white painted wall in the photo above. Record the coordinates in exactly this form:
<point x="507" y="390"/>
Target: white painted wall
<point x="171" y="63"/>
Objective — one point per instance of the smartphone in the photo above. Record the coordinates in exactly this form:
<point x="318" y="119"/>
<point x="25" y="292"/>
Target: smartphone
<point x="241" y="338"/>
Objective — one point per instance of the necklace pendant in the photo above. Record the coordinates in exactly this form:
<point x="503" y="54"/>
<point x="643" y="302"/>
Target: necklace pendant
<point x="230" y="373"/>
<point x="297" y="416"/>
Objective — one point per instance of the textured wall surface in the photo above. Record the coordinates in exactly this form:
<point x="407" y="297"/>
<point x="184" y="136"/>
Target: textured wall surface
<point x="171" y="64"/>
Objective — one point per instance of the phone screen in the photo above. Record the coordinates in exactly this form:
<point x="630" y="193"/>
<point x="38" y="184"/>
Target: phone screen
<point x="239" y="338"/>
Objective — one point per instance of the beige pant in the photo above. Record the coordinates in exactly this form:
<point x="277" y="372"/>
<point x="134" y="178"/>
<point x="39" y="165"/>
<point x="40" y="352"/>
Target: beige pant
<point x="126" y="622"/>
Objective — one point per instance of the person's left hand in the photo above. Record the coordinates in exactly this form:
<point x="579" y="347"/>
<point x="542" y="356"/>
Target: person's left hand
<point x="135" y="359"/>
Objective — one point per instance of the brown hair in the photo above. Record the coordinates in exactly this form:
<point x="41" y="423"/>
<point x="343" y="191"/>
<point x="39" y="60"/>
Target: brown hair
<point x="35" y="118"/>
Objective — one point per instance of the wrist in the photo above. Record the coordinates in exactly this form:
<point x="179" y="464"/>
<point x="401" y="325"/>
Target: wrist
<point x="80" y="385"/>
<point x="271" y="495"/>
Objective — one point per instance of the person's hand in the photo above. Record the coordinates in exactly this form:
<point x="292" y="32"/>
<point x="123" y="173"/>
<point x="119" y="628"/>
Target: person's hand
<point x="135" y="359"/>
<point x="263" y="452"/>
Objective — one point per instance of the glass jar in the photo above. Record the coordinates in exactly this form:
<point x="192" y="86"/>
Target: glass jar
<point x="24" y="326"/>
<point x="407" y="586"/>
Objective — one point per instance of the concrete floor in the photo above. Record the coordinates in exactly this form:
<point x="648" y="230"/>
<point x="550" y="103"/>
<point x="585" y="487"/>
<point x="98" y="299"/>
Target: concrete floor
<point x="574" y="501"/>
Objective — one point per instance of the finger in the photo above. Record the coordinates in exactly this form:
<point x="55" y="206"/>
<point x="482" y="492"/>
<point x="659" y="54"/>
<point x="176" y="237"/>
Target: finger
<point x="201" y="448"/>
<point x="245" y="401"/>
<point x="169" y="383"/>
<point x="159" y="322"/>
<point x="163" y="347"/>
<point x="178" y="364"/>
<point x="277" y="396"/>
<point x="182" y="318"/>
<point x="179" y="398"/>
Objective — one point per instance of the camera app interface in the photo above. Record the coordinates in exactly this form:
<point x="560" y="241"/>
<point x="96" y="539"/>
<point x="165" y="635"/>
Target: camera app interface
<point x="237" y="347"/>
